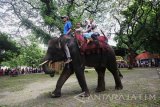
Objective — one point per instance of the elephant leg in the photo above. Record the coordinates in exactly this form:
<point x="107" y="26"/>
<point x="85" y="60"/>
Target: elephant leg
<point x="79" y="71"/>
<point x="66" y="73"/>
<point x="120" y="74"/>
<point x="101" y="79"/>
<point x="115" y="73"/>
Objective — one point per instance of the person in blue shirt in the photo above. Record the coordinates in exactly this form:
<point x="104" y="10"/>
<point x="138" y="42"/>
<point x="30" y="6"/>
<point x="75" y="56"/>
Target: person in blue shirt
<point x="67" y="32"/>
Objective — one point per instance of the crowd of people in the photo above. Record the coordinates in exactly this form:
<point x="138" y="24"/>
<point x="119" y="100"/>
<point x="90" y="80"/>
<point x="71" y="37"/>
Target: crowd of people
<point x="143" y="63"/>
<point x="122" y="64"/>
<point x="19" y="71"/>
<point x="148" y="63"/>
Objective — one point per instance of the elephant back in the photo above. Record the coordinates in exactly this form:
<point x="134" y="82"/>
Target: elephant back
<point x="100" y="44"/>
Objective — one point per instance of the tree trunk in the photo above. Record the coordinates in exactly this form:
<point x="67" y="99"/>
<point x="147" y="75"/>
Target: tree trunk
<point x="131" y="59"/>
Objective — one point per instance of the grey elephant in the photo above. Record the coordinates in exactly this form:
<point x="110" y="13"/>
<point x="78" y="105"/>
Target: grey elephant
<point x="101" y="59"/>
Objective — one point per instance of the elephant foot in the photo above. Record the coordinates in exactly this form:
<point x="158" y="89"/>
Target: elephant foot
<point x="119" y="87"/>
<point x="55" y="94"/>
<point x="84" y="94"/>
<point x="121" y="77"/>
<point x="51" y="75"/>
<point x="99" y="89"/>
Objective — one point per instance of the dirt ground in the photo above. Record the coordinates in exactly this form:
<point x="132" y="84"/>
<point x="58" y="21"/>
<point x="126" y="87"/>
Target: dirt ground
<point x="141" y="89"/>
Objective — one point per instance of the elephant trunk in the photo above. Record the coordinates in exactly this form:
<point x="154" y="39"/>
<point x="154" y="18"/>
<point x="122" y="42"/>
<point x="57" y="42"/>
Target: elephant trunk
<point x="46" y="66"/>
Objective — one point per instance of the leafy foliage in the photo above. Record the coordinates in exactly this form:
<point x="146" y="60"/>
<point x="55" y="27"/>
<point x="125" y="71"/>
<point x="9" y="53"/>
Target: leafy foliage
<point x="52" y="10"/>
<point x="6" y="46"/>
<point x="37" y="31"/>
<point x="152" y="30"/>
<point x="30" y="55"/>
<point x="140" y="29"/>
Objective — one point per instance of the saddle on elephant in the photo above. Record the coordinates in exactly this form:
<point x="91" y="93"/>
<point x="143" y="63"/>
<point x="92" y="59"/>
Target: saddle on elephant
<point x="95" y="46"/>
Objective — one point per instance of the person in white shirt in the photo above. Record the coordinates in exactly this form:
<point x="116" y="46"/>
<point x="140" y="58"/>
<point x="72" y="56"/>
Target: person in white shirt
<point x="90" y="26"/>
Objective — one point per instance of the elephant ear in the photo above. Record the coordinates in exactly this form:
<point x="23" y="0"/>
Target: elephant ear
<point x="54" y="42"/>
<point x="58" y="44"/>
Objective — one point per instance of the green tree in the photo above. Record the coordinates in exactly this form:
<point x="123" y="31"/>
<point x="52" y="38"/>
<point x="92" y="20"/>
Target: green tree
<point x="43" y="16"/>
<point x="7" y="46"/>
<point x="137" y="29"/>
<point x="30" y="55"/>
<point x="52" y="10"/>
<point x="47" y="14"/>
<point x="152" y="30"/>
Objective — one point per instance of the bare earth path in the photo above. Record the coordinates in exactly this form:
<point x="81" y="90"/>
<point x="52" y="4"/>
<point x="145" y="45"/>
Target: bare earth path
<point x="31" y="91"/>
<point x="141" y="89"/>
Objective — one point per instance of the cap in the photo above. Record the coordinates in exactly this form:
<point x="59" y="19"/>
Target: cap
<point x="64" y="17"/>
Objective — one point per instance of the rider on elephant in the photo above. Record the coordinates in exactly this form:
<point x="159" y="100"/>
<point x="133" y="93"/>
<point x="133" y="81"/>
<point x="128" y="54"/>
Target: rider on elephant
<point x="78" y="29"/>
<point x="90" y="30"/>
<point x="67" y="32"/>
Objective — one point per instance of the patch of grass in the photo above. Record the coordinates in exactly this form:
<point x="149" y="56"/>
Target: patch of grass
<point x="8" y="83"/>
<point x="4" y="106"/>
<point x="157" y="101"/>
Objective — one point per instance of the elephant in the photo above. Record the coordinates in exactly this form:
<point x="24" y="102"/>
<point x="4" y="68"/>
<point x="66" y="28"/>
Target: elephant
<point x="99" y="61"/>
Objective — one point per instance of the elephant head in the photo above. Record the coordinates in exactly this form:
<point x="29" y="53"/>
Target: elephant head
<point x="54" y="53"/>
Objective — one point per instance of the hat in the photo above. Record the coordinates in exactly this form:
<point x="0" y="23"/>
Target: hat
<point x="64" y="17"/>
